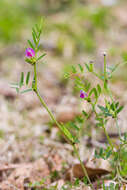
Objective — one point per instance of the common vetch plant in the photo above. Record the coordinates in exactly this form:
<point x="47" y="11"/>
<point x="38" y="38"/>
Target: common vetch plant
<point x="103" y="113"/>
<point x="33" y="58"/>
<point x="89" y="93"/>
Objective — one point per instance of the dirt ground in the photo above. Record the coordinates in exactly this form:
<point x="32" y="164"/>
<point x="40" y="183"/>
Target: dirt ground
<point x="32" y="150"/>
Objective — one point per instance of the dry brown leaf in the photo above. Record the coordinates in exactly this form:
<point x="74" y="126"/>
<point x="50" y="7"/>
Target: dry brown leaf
<point x="94" y="169"/>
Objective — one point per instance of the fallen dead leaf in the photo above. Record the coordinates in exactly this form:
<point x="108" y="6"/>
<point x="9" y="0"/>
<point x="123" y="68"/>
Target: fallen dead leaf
<point x="95" y="168"/>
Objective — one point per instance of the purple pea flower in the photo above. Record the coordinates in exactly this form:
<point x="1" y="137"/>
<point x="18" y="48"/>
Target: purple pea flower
<point x="30" y="53"/>
<point x="83" y="94"/>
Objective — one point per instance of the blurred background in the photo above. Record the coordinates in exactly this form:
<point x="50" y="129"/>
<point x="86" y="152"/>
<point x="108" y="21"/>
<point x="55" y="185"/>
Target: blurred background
<point x="75" y="31"/>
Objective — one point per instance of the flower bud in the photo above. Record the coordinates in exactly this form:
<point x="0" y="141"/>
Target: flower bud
<point x="91" y="66"/>
<point x="30" y="53"/>
<point x="30" y="56"/>
<point x="104" y="53"/>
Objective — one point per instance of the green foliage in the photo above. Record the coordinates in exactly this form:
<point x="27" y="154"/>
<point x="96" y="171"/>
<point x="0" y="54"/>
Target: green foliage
<point x="37" y="183"/>
<point x="68" y="134"/>
<point x="18" y="86"/>
<point x="103" y="153"/>
<point x="36" y="33"/>
<point x="85" y="181"/>
<point x="40" y="57"/>
<point x="110" y="109"/>
<point x="112" y="186"/>
<point x="27" y="78"/>
<point x="21" y="83"/>
<point x="123" y="160"/>
<point x="54" y="175"/>
<point x="75" y="127"/>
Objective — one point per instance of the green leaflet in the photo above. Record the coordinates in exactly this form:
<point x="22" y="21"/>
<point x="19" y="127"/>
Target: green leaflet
<point x="30" y="44"/>
<point x="27" y="78"/>
<point x="25" y="91"/>
<point x="21" y="80"/>
<point x="67" y="133"/>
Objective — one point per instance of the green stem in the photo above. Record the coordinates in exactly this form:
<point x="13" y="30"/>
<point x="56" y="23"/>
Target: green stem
<point x="105" y="74"/>
<point x="40" y="98"/>
<point x="35" y="76"/>
<point x="46" y="107"/>
<point x="119" y="169"/>
<point x="59" y="126"/>
<point x="118" y="128"/>
<point x="97" y="75"/>
<point x="108" y="138"/>
<point x="51" y="114"/>
<point x="110" y="94"/>
<point x="104" y="67"/>
<point x="116" y="119"/>
<point x="55" y="121"/>
<point x="85" y="120"/>
<point x="83" y="167"/>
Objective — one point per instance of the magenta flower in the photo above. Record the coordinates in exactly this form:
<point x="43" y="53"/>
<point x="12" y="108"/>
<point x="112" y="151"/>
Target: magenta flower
<point x="30" y="53"/>
<point x="83" y="94"/>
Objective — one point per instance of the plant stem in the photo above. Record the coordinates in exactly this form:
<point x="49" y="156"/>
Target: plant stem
<point x="104" y="67"/>
<point x="51" y="114"/>
<point x="97" y="75"/>
<point x="118" y="127"/>
<point x="107" y="89"/>
<point x="46" y="107"/>
<point x="82" y="165"/>
<point x="35" y="76"/>
<point x="74" y="146"/>
<point x="108" y="138"/>
<point x="40" y="98"/>
<point x="58" y="125"/>
<point x="105" y="74"/>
